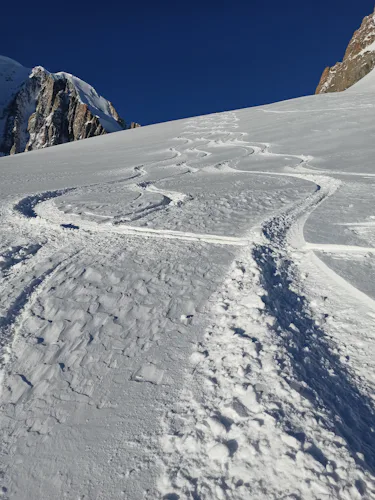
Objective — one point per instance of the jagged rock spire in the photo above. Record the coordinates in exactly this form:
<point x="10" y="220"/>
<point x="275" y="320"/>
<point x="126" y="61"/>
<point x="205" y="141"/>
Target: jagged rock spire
<point x="358" y="61"/>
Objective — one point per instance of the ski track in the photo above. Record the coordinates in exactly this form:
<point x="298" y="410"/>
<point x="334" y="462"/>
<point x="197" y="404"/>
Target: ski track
<point x="264" y="368"/>
<point x="14" y="256"/>
<point x="211" y="434"/>
<point x="338" y="394"/>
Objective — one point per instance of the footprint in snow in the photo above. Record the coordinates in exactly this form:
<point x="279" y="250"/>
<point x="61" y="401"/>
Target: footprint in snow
<point x="148" y="373"/>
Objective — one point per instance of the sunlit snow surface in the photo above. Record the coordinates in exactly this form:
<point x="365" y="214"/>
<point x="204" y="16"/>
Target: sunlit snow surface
<point x="187" y="309"/>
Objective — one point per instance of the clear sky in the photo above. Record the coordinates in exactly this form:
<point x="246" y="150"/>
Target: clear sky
<point x="162" y="60"/>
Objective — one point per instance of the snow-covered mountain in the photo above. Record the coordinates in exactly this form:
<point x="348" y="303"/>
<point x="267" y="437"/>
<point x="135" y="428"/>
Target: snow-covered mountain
<point x="359" y="60"/>
<point x="40" y="109"/>
<point x="187" y="310"/>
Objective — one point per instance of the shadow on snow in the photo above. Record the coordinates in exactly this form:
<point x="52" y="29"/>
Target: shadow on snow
<point x="328" y="383"/>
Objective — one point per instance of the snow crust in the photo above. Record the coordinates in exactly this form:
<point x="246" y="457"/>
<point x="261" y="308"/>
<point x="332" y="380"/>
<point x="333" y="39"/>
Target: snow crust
<point x="187" y="309"/>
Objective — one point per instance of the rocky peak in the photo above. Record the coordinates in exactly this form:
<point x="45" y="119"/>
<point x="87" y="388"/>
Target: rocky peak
<point x="40" y="109"/>
<point x="358" y="61"/>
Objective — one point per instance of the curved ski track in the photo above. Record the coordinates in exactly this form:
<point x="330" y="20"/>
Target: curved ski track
<point x="213" y="431"/>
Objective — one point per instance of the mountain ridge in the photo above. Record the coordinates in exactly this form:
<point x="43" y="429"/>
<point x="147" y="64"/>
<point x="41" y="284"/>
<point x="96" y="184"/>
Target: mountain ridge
<point x="39" y="109"/>
<point x="358" y="60"/>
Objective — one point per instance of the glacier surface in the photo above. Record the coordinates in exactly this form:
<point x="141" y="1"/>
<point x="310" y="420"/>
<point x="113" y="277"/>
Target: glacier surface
<point x="187" y="309"/>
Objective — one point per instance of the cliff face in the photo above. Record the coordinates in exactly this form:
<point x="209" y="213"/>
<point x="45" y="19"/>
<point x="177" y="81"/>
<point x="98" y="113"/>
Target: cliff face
<point x="45" y="109"/>
<point x="358" y="61"/>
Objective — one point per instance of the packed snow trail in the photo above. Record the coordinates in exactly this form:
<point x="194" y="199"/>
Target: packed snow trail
<point x="338" y="394"/>
<point x="66" y="371"/>
<point x="260" y="316"/>
<point x="125" y="347"/>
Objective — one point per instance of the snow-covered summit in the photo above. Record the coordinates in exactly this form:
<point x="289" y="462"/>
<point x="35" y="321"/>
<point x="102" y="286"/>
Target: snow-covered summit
<point x="12" y="75"/>
<point x="8" y="60"/>
<point x="40" y="109"/>
<point x="98" y="105"/>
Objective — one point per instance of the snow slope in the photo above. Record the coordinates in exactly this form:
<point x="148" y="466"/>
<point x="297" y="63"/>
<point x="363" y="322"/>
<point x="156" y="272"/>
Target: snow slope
<point x="367" y="83"/>
<point x="187" y="309"/>
<point x="12" y="75"/>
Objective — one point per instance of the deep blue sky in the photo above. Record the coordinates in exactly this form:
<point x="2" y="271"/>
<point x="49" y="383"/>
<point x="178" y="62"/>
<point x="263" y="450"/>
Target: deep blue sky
<point x="158" y="61"/>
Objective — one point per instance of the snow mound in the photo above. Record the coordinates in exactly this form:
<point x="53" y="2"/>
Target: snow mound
<point x="12" y="75"/>
<point x="8" y="61"/>
<point x="366" y="84"/>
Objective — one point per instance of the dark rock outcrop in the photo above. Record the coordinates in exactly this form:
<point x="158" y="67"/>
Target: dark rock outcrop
<point x="358" y="61"/>
<point x="54" y="108"/>
<point x="134" y="125"/>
